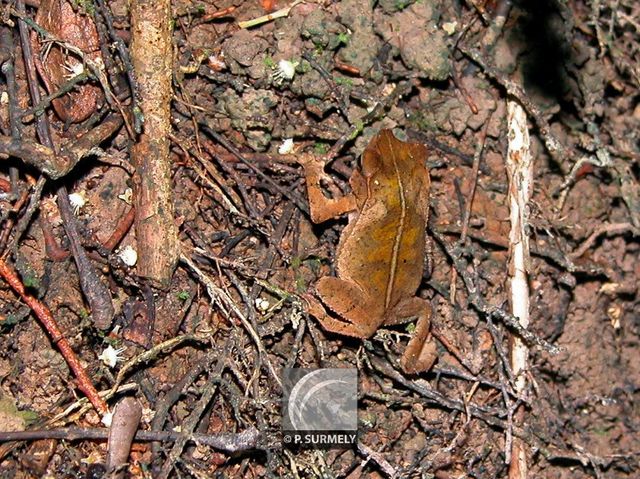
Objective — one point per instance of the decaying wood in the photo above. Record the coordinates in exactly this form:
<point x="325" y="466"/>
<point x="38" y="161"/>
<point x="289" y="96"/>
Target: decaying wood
<point x="56" y="165"/>
<point x="126" y="417"/>
<point x="151" y="54"/>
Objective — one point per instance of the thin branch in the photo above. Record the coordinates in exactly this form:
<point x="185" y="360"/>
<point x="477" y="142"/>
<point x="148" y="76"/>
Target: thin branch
<point x="228" y="442"/>
<point x="49" y="323"/>
<point x="520" y="173"/>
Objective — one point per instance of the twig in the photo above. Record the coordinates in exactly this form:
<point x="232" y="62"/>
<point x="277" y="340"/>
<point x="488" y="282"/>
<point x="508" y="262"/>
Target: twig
<point x="96" y="67"/>
<point x="490" y="415"/>
<point x="496" y="25"/>
<point x="189" y="425"/>
<point x="25" y="221"/>
<point x="608" y="229"/>
<point x="62" y="90"/>
<point x="96" y="292"/>
<point x="164" y="404"/>
<point x="49" y="323"/>
<point x="520" y="173"/>
<point x="455" y="373"/>
<point x="94" y="289"/>
<point x="283" y="12"/>
<point x="469" y="203"/>
<point x="629" y="188"/>
<point x="123" y="52"/>
<point x="554" y="146"/>
<point x="378" y="458"/>
<point x="341" y="97"/>
<point x="228" y="442"/>
<point x="497" y="337"/>
<point x="482" y="305"/>
<point x="595" y="20"/>
<point x="225" y="195"/>
<point x="601" y="158"/>
<point x="155" y="225"/>
<point x="121" y="229"/>
<point x="103" y="157"/>
<point x="465" y="94"/>
<point x="220" y="296"/>
<point x="247" y="201"/>
<point x="207" y="17"/>
<point x="224" y="142"/>
<point x="151" y="354"/>
<point x="8" y="69"/>
<point x="77" y="409"/>
<point x="248" y="300"/>
<point x="266" y="264"/>
<point x="54" y="251"/>
<point x="45" y="159"/>
<point x="586" y="458"/>
<point x="402" y="88"/>
<point x="555" y="256"/>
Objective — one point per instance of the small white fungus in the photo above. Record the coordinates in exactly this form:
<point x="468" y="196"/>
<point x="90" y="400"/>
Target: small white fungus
<point x="285" y="71"/>
<point x="111" y="356"/>
<point x="128" y="255"/>
<point x="262" y="305"/>
<point x="450" y="27"/>
<point x="286" y="147"/>
<point x="126" y="196"/>
<point x="77" y="200"/>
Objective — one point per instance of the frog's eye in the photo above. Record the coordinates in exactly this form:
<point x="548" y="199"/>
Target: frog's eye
<point x="371" y="162"/>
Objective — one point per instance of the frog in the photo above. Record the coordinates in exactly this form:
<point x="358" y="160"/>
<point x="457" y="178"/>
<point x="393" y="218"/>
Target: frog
<point x="380" y="257"/>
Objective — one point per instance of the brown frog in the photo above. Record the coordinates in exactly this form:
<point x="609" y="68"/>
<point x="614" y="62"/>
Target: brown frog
<point x="380" y="256"/>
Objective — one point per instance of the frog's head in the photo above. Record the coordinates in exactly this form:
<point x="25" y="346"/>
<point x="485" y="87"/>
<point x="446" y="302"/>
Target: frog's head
<point x="390" y="157"/>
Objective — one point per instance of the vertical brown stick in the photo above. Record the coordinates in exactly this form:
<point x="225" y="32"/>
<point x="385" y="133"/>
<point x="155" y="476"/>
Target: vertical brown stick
<point x="151" y="54"/>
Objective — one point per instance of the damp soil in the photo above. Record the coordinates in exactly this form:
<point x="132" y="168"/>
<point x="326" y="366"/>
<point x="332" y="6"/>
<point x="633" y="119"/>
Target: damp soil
<point x="328" y="76"/>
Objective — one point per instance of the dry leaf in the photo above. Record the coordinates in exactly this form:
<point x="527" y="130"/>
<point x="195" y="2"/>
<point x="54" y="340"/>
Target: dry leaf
<point x="56" y="66"/>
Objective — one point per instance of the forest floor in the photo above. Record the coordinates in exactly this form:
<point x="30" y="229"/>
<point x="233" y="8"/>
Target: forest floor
<point x="329" y="76"/>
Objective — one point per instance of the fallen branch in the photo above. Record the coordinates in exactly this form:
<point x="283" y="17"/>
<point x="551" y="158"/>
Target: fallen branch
<point x="151" y="56"/>
<point x="228" y="442"/>
<point x="49" y="323"/>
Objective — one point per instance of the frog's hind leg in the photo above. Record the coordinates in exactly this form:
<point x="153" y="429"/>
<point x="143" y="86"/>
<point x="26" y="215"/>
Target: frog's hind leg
<point x="421" y="352"/>
<point x="356" y="316"/>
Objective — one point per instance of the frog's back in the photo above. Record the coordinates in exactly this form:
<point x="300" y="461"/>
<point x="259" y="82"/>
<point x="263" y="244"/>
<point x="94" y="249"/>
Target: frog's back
<point x="382" y="248"/>
<point x="383" y="253"/>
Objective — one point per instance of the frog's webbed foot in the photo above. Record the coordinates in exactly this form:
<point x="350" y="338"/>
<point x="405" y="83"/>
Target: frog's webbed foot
<point x="354" y="315"/>
<point x="421" y="352"/>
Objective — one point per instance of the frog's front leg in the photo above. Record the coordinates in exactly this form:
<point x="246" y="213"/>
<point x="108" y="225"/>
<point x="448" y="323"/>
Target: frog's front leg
<point x="421" y="352"/>
<point x="357" y="317"/>
<point x="321" y="207"/>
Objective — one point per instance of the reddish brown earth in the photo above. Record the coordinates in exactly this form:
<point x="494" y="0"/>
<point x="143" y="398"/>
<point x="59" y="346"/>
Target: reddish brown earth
<point x="243" y="224"/>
